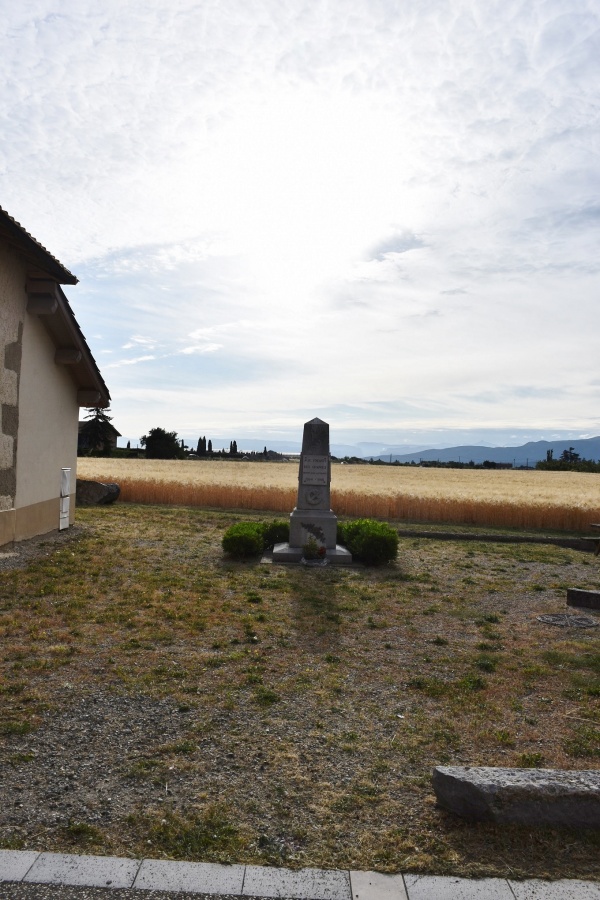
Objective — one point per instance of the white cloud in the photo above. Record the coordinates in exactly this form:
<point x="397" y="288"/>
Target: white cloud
<point x="201" y="348"/>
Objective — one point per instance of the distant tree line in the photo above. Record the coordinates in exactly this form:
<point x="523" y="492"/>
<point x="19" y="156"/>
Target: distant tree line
<point x="162" y="444"/>
<point x="568" y="461"/>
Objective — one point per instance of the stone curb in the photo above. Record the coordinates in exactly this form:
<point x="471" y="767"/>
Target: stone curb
<point x="262" y="881"/>
<point x="551" y="797"/>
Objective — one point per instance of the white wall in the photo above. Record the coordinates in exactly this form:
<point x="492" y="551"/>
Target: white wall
<point x="48" y="417"/>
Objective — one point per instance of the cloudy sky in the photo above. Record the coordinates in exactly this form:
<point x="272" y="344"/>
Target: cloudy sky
<point x="381" y="212"/>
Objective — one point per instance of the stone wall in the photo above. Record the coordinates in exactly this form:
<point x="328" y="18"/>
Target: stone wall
<point x="12" y="310"/>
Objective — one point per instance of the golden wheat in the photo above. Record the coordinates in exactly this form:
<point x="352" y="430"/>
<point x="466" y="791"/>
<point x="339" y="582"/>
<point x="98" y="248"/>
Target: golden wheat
<point x="565" y="501"/>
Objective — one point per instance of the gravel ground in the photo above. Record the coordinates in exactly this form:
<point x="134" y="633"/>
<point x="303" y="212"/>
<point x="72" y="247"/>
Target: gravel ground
<point x="20" y="554"/>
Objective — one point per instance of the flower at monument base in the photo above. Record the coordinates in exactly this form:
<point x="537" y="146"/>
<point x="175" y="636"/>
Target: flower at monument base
<point x="313" y="550"/>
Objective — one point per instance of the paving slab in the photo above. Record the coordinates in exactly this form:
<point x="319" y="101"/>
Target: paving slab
<point x="301" y="884"/>
<point x="438" y="887"/>
<point x="91" y="871"/>
<point x="376" y="886"/>
<point x="15" y="864"/>
<point x="195" y="878"/>
<point x="565" y="889"/>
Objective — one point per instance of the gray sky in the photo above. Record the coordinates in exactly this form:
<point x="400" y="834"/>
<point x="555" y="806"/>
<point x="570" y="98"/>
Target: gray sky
<point x="382" y="213"/>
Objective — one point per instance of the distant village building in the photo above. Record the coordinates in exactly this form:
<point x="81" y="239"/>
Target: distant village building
<point x="83" y="442"/>
<point x="47" y="373"/>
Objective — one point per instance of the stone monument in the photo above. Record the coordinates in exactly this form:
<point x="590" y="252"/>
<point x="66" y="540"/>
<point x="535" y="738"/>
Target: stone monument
<point x="313" y="516"/>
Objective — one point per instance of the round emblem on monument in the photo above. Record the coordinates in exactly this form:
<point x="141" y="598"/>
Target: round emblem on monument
<point x="313" y="496"/>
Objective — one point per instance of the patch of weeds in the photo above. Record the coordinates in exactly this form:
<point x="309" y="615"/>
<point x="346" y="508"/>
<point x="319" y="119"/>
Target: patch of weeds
<point x="504" y="737"/>
<point x="215" y="662"/>
<point x="431" y="610"/>
<point x="471" y="683"/>
<point x="532" y="760"/>
<point x="372" y="623"/>
<point x="431" y="687"/>
<point x="265" y="696"/>
<point x="486" y="663"/>
<point x="18" y="759"/>
<point x="445" y="735"/>
<point x="533" y="670"/>
<point x="572" y="660"/>
<point x="83" y="833"/>
<point x="253" y="597"/>
<point x="585" y="742"/>
<point x="489" y="619"/>
<point x="12" y="727"/>
<point x="180" y="747"/>
<point x="11" y="841"/>
<point x="143" y="768"/>
<point x="584" y="685"/>
<point x="210" y="833"/>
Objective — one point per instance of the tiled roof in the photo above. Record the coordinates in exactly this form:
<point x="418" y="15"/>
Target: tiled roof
<point x="62" y="327"/>
<point x="35" y="251"/>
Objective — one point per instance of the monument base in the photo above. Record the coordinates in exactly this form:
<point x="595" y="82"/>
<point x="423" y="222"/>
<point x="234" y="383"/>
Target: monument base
<point x="335" y="556"/>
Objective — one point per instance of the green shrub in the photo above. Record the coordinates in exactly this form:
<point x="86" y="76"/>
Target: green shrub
<point x="275" y="532"/>
<point x="244" y="539"/>
<point x="371" y="542"/>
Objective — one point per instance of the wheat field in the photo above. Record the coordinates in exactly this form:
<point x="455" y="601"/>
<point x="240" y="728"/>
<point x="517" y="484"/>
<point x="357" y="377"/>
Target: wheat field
<point x="561" y="501"/>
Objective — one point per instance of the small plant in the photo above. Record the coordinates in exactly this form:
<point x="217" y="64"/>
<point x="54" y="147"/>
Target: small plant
<point x="244" y="539"/>
<point x="82" y="833"/>
<point x="313" y="550"/>
<point x="530" y="760"/>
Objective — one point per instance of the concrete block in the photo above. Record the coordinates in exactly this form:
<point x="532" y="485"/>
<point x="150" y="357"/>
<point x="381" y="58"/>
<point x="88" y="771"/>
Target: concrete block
<point x="90" y="871"/>
<point x="587" y="599"/>
<point x="435" y="887"/>
<point x="375" y="886"/>
<point x="551" y="797"/>
<point x="564" y="889"/>
<point x="195" y="878"/>
<point x="303" y="884"/>
<point x="15" y="864"/>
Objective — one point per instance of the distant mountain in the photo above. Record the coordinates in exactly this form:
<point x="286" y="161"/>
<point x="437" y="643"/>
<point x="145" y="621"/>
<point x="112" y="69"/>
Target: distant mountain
<point x="525" y="455"/>
<point x="362" y="449"/>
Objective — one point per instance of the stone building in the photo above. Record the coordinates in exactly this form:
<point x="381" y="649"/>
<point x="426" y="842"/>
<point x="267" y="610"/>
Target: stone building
<point x="47" y="373"/>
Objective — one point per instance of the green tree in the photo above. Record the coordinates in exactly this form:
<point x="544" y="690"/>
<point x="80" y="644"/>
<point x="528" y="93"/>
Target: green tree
<point x="96" y="434"/>
<point x="569" y="455"/>
<point x="161" y="444"/>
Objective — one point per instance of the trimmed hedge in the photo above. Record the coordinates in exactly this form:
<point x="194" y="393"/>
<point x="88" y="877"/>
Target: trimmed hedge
<point x="244" y="539"/>
<point x="251" y="538"/>
<point x="372" y="542"/>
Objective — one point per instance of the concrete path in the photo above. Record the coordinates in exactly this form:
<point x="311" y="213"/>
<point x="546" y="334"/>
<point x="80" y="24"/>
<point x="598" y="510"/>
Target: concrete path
<point x="29" y="875"/>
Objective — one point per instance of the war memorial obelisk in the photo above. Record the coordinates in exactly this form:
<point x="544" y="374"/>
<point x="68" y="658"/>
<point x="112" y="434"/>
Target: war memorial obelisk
<point x="313" y="516"/>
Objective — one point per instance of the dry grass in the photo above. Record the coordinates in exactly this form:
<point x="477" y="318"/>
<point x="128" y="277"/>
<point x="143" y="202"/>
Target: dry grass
<point x="253" y="713"/>
<point x="560" y="501"/>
